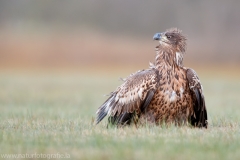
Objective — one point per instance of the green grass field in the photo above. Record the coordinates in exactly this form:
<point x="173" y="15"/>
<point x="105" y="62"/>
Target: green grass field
<point x="44" y="113"/>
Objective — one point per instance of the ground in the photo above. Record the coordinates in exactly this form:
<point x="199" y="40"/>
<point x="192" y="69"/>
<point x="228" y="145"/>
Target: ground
<point x="53" y="113"/>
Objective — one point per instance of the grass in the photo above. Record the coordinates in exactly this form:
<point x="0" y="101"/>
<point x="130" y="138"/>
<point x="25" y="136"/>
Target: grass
<point x="54" y="113"/>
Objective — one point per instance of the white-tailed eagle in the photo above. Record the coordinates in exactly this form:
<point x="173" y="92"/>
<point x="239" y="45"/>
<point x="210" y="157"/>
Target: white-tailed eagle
<point x="167" y="92"/>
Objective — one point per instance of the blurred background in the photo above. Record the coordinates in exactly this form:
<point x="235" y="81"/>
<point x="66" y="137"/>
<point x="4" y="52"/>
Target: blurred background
<point x="83" y="35"/>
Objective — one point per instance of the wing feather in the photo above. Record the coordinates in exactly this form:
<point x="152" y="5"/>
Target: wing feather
<point x="147" y="100"/>
<point x="134" y="94"/>
<point x="200" y="112"/>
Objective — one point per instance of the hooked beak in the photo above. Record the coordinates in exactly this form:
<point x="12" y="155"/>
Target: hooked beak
<point x="157" y="36"/>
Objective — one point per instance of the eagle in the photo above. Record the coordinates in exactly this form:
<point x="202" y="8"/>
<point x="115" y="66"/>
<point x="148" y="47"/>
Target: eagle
<point x="166" y="93"/>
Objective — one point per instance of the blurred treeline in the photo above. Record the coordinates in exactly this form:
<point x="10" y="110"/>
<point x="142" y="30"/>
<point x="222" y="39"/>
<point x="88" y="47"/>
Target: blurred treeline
<point x="104" y="33"/>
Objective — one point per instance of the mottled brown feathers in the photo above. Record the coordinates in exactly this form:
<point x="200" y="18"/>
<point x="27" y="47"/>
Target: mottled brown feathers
<point x="133" y="95"/>
<point x="166" y="92"/>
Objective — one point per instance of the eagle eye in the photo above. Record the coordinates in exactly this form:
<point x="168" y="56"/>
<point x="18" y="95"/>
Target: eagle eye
<point x="169" y="36"/>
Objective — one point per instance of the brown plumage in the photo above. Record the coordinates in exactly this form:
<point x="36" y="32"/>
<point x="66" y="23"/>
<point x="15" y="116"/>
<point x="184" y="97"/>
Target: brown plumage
<point x="167" y="92"/>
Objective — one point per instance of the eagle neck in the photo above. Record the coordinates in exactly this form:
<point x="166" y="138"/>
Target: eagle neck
<point x="165" y="59"/>
<point x="168" y="59"/>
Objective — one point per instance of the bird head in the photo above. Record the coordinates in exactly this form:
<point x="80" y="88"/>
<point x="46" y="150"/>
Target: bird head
<point x="172" y="39"/>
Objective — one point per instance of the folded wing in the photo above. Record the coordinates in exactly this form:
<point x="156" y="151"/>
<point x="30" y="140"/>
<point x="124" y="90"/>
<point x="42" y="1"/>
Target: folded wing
<point x="199" y="118"/>
<point x="134" y="95"/>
